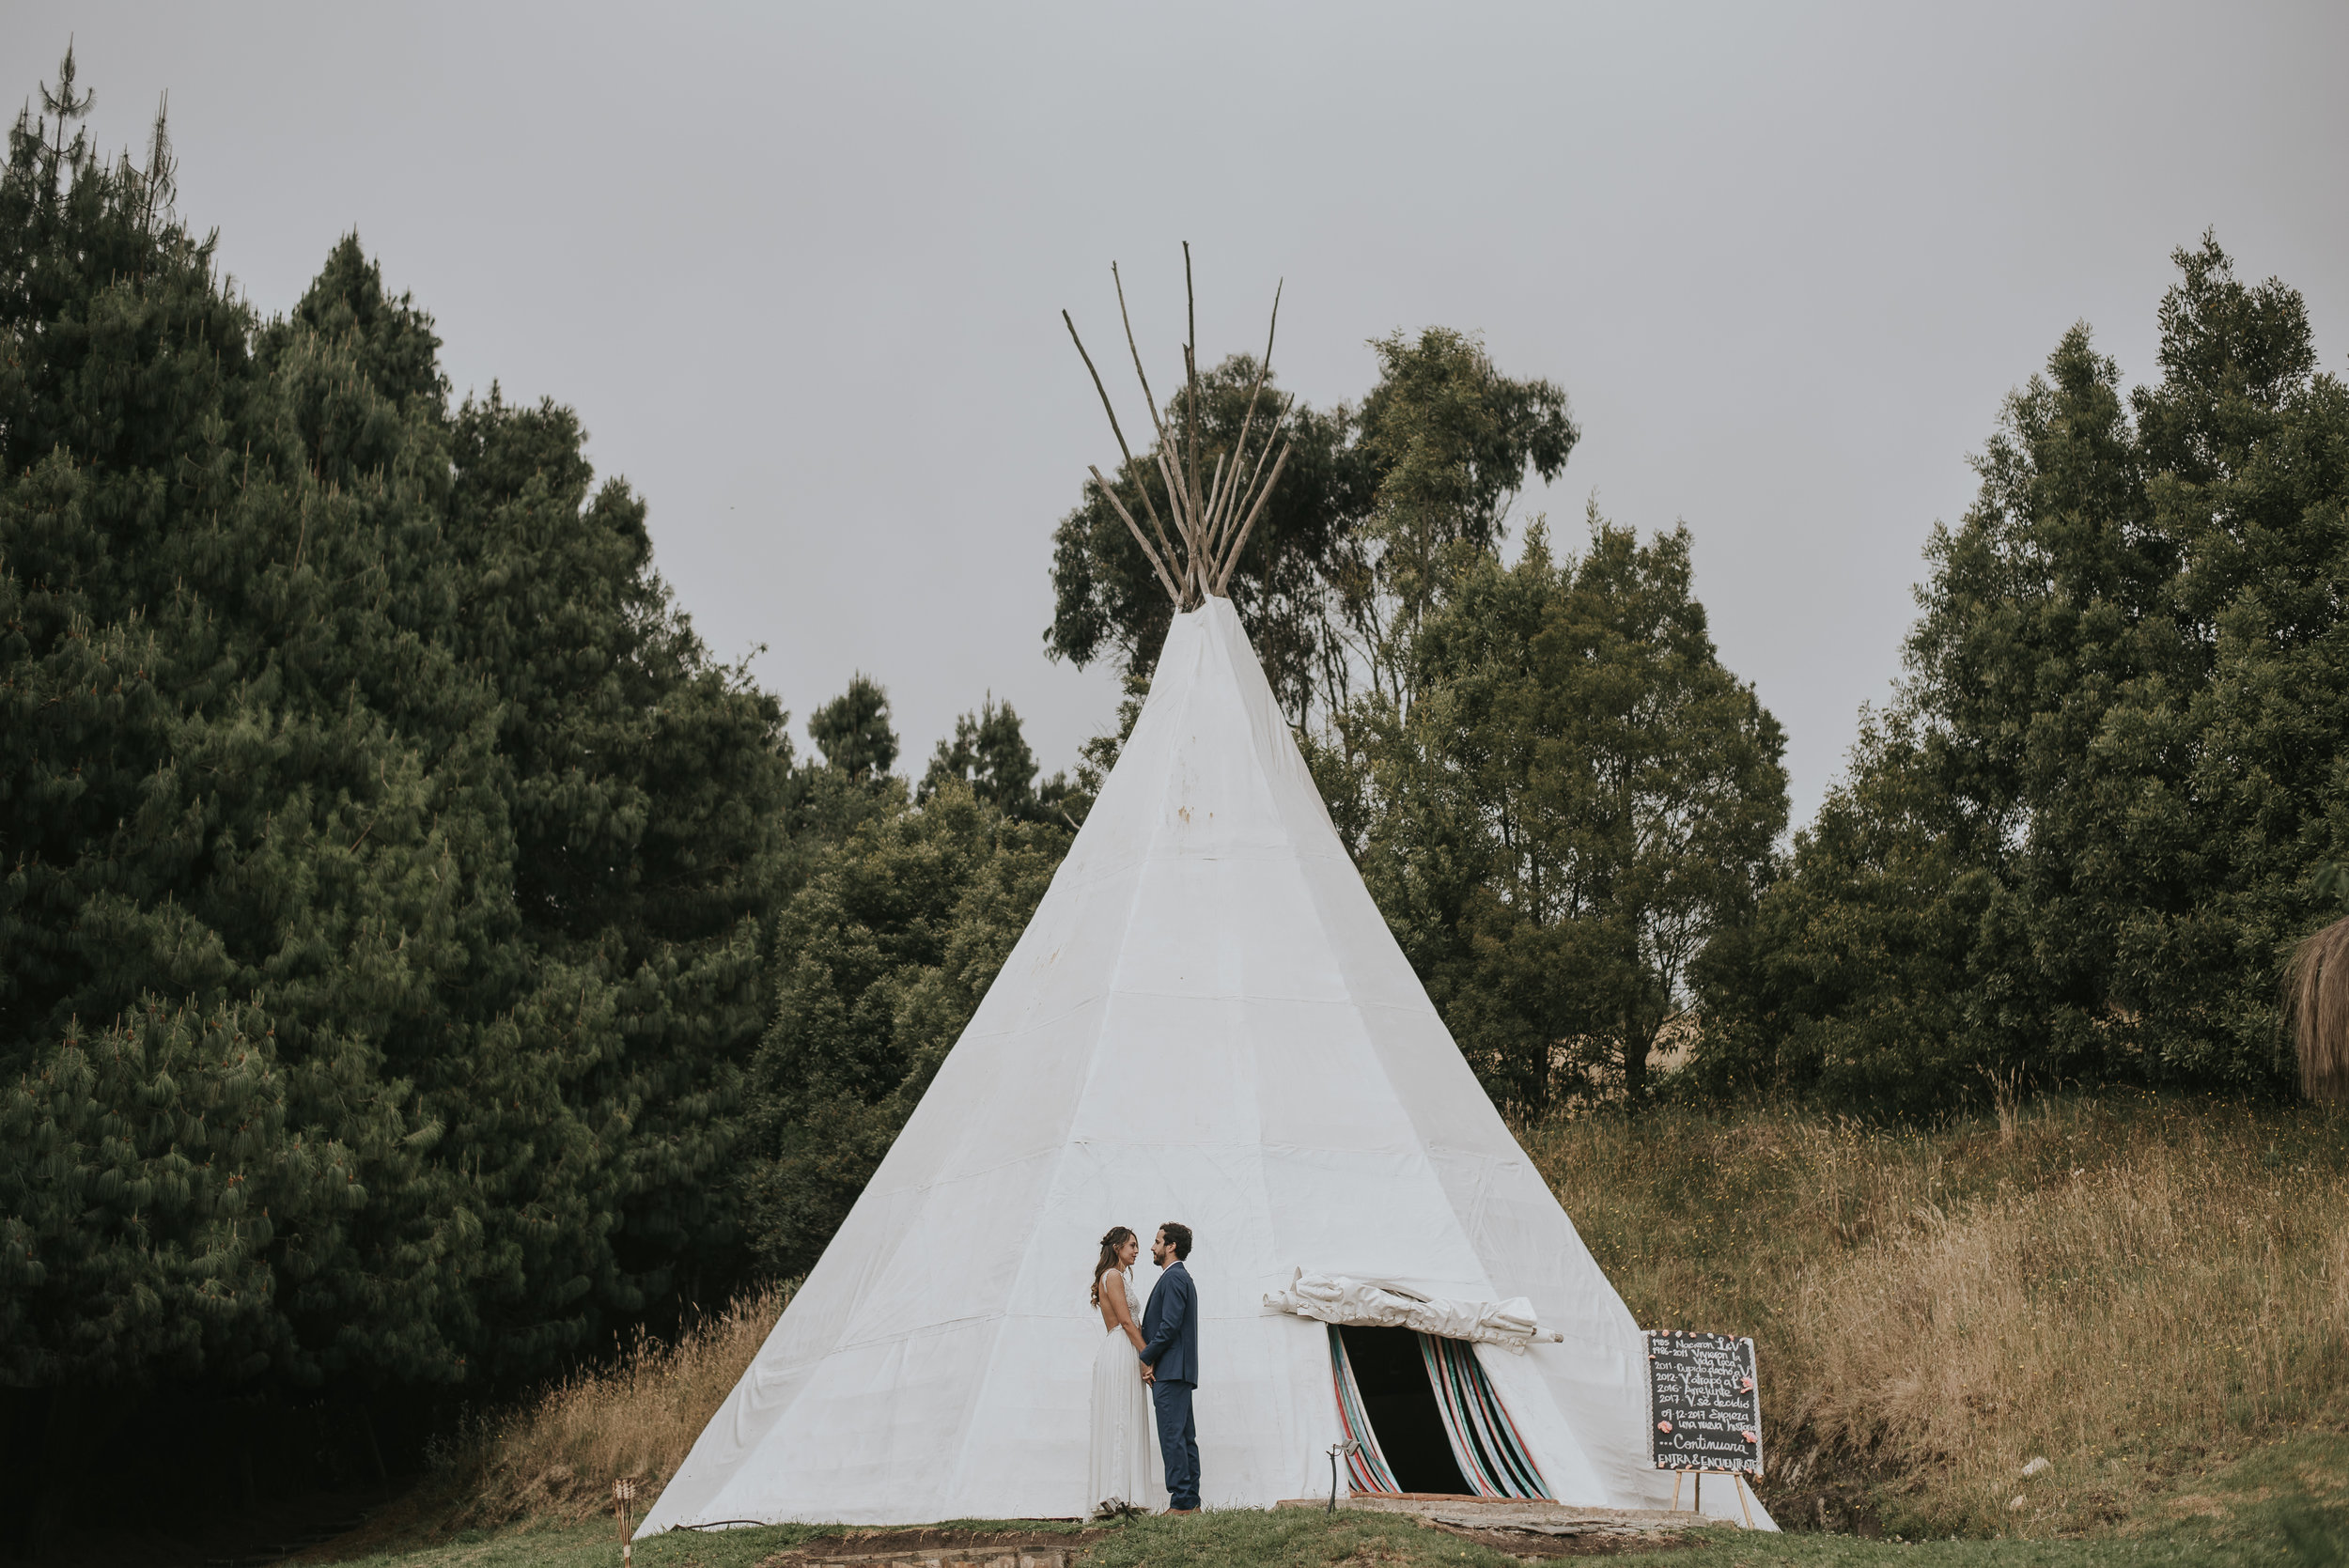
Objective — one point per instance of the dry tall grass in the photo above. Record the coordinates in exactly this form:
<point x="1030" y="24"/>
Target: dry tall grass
<point x="2135" y="1289"/>
<point x="2316" y="995"/>
<point x="558" y="1456"/>
<point x="2129" y="1289"/>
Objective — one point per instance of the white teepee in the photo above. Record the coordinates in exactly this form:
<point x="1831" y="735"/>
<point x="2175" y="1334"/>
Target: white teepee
<point x="1208" y="1021"/>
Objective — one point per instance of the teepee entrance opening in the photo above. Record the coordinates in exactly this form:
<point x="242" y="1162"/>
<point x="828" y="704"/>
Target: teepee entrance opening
<point x="1406" y="1440"/>
<point x="1421" y="1416"/>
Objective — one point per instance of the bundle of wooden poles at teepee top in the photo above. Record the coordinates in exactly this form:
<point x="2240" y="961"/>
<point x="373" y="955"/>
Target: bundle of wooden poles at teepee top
<point x="1212" y="518"/>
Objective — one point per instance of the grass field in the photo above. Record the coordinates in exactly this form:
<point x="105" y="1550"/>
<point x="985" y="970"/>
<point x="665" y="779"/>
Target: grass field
<point x="2153" y="1295"/>
<point x="2288" y="1503"/>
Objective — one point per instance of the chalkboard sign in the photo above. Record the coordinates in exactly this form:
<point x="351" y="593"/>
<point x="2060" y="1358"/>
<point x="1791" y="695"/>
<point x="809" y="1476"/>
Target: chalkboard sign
<point x="1704" y="1410"/>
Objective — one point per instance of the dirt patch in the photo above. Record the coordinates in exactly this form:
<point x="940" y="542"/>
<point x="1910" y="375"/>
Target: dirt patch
<point x="1517" y="1542"/>
<point x="882" y="1543"/>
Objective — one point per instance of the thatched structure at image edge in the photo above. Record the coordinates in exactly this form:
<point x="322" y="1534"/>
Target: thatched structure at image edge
<point x="2316" y="995"/>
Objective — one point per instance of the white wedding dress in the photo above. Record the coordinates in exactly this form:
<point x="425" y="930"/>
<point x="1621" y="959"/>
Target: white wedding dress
<point x="1124" y="1466"/>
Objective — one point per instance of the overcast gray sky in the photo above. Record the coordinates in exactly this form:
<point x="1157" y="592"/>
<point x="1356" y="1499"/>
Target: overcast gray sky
<point x="798" y="268"/>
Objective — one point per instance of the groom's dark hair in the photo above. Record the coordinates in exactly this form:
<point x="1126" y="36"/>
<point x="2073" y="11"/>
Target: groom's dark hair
<point x="1177" y="1236"/>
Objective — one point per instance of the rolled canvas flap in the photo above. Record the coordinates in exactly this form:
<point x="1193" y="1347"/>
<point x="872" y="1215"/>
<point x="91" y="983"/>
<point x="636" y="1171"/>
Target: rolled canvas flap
<point x="1380" y="1303"/>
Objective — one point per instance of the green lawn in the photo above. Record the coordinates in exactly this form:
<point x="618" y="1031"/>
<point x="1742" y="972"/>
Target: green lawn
<point x="2286" y="1503"/>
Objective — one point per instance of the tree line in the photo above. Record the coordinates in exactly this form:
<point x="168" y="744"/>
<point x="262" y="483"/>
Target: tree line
<point x="389" y="867"/>
<point x="2076" y="847"/>
<point x="424" y="960"/>
<point x="413" y="938"/>
<point x="2080" y="843"/>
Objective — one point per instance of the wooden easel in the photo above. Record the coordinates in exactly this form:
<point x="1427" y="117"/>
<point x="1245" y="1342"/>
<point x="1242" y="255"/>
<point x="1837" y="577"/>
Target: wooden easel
<point x="1736" y="1478"/>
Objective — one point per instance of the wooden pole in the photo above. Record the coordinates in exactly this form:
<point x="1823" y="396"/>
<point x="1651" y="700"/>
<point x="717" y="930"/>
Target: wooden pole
<point x="1211" y="515"/>
<point x="1264" y="368"/>
<point x="1106" y="405"/>
<point x="1742" y="1489"/>
<point x="1147" y="552"/>
<point x="1215" y="496"/>
<point x="1188" y="465"/>
<point x="1115" y="430"/>
<point x="1190" y="369"/>
<point x="1149" y="402"/>
<point x="1234" y="494"/>
<point x="1240" y="542"/>
<point x="1188" y="566"/>
<point x="1263" y="452"/>
<point x="1676" y="1480"/>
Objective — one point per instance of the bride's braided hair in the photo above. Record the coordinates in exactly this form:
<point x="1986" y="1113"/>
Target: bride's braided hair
<point x="1115" y="1237"/>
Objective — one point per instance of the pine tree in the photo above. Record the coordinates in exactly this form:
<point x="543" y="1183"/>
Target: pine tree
<point x="852" y="731"/>
<point x="646" y="790"/>
<point x="231" y="885"/>
<point x="387" y="866"/>
<point x="989" y="754"/>
<point x="902" y="906"/>
<point x="2080" y="844"/>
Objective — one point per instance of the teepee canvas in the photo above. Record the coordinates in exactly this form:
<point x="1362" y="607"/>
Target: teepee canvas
<point x="1208" y="1021"/>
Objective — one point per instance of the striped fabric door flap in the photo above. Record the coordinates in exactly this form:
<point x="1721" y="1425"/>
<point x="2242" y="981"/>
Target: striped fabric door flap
<point x="1485" y="1441"/>
<point x="1365" y="1467"/>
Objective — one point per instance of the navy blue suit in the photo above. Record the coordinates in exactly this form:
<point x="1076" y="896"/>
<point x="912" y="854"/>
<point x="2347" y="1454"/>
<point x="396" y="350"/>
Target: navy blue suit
<point x="1170" y="1334"/>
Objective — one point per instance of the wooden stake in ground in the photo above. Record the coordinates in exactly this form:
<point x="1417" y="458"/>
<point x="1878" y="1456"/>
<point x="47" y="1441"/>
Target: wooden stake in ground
<point x="1212" y="517"/>
<point x="624" y="1493"/>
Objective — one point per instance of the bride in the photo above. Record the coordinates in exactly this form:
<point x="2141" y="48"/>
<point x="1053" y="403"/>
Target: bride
<point x="1126" y="1471"/>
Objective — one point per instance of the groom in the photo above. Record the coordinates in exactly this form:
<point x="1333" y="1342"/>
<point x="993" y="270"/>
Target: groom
<point x="1170" y="1363"/>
